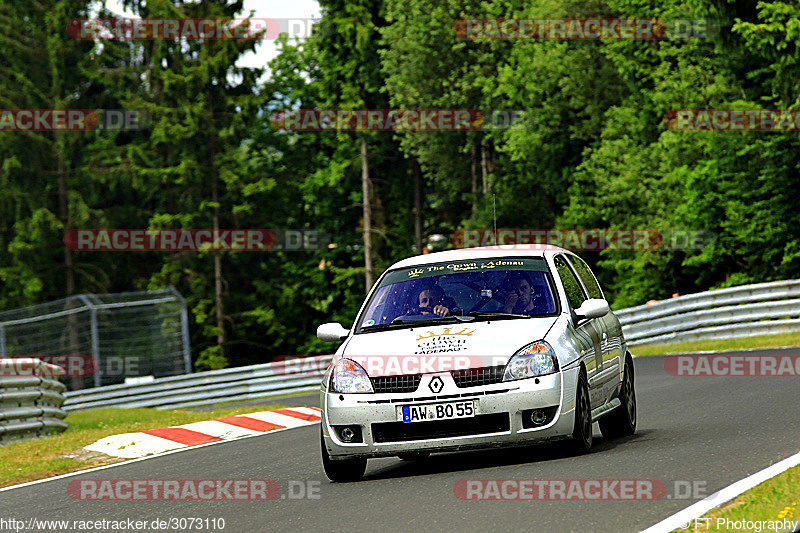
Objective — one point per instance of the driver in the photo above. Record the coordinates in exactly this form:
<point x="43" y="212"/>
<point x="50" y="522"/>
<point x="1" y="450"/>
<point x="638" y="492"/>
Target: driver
<point x="431" y="301"/>
<point x="519" y="293"/>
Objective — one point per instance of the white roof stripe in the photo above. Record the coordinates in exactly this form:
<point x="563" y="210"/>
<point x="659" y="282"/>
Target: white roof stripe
<point x="487" y="252"/>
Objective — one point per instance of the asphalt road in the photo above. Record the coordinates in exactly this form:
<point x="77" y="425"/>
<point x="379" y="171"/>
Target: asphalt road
<point x="707" y="431"/>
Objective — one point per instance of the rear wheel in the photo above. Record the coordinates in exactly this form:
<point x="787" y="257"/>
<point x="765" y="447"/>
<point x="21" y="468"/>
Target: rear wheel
<point x="622" y="422"/>
<point x="581" y="440"/>
<point x="342" y="470"/>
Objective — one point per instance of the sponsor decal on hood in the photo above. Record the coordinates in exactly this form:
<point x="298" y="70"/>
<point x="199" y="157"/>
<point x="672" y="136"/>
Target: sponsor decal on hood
<point x="444" y="341"/>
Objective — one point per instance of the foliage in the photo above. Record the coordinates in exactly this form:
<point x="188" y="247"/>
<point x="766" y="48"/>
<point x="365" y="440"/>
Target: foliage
<point x="597" y="154"/>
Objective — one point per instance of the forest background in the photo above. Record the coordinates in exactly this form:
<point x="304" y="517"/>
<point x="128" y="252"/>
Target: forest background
<point x="597" y="155"/>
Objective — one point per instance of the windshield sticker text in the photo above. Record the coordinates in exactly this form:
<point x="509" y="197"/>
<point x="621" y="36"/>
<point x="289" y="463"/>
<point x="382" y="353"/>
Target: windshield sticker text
<point x="460" y="267"/>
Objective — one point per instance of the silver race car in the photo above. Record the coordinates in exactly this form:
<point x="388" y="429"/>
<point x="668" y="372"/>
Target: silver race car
<point x="482" y="347"/>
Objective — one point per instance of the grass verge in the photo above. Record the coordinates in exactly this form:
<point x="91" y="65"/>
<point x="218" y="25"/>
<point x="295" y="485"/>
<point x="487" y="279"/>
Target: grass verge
<point x="59" y="454"/>
<point x="776" y="499"/>
<point x="739" y="343"/>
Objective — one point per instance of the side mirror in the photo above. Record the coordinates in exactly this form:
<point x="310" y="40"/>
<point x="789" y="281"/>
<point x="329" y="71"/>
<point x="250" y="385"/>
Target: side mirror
<point x="333" y="332"/>
<point x="592" y="308"/>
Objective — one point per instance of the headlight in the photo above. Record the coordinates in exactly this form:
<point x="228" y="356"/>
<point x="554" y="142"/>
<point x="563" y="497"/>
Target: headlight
<point x="348" y="377"/>
<point x="535" y="359"/>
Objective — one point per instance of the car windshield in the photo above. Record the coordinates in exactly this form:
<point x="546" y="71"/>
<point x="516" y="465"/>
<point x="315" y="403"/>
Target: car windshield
<point x="514" y="287"/>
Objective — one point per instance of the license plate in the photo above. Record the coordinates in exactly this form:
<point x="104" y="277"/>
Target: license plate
<point x="436" y="411"/>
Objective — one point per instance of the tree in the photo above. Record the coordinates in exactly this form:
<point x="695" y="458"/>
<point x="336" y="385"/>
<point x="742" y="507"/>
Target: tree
<point x="348" y="47"/>
<point x="198" y="98"/>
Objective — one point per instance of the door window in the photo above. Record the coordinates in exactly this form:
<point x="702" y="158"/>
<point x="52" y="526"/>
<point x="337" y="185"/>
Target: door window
<point x="571" y="286"/>
<point x="586" y="277"/>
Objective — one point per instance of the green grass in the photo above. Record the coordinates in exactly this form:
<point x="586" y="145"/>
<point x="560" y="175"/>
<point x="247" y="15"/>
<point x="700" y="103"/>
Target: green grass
<point x="775" y="499"/>
<point x="740" y="343"/>
<point x="59" y="454"/>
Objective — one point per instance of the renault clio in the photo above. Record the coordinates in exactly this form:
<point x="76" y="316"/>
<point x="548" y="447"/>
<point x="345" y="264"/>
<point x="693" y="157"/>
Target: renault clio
<point x="480" y="347"/>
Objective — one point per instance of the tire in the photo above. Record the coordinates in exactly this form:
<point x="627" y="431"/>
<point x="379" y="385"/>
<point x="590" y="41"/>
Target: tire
<point x="414" y="456"/>
<point x="343" y="470"/>
<point x="581" y="438"/>
<point x="622" y="421"/>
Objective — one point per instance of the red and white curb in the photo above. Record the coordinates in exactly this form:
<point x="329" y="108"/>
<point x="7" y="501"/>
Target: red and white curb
<point x="155" y="441"/>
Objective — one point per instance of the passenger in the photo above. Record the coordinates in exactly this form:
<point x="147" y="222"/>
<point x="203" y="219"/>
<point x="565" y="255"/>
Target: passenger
<point x="520" y="295"/>
<point x="431" y="301"/>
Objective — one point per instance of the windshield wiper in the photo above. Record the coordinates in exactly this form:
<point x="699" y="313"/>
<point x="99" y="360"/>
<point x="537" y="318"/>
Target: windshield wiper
<point x="399" y="323"/>
<point x="381" y="327"/>
<point x="496" y="316"/>
<point x="433" y="320"/>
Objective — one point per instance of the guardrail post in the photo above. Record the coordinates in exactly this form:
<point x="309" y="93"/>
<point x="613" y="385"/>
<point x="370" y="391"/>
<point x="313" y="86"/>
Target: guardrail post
<point x="95" y="347"/>
<point x="187" y="353"/>
<point x="95" y="339"/>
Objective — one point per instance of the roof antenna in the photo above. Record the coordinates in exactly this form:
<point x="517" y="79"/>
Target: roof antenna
<point x="494" y="202"/>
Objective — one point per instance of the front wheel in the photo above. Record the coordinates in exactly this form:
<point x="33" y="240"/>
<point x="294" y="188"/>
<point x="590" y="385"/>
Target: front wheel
<point x="581" y="439"/>
<point x="343" y="470"/>
<point x="622" y="422"/>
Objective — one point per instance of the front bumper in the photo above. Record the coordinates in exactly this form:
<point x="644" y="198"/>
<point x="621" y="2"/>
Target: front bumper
<point x="507" y="399"/>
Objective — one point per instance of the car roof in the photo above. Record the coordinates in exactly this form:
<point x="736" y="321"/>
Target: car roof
<point x="485" y="252"/>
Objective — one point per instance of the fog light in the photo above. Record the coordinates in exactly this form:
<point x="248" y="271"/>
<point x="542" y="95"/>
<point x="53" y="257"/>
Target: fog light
<point x="538" y="417"/>
<point x="347" y="434"/>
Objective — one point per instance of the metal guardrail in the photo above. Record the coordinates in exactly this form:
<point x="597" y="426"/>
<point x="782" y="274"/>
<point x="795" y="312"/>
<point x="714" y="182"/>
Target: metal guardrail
<point x="206" y="388"/>
<point x="748" y="310"/>
<point x="725" y="313"/>
<point x="30" y="402"/>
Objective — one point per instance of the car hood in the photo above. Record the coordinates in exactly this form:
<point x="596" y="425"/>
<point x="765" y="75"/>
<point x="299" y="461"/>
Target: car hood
<point x="444" y="347"/>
